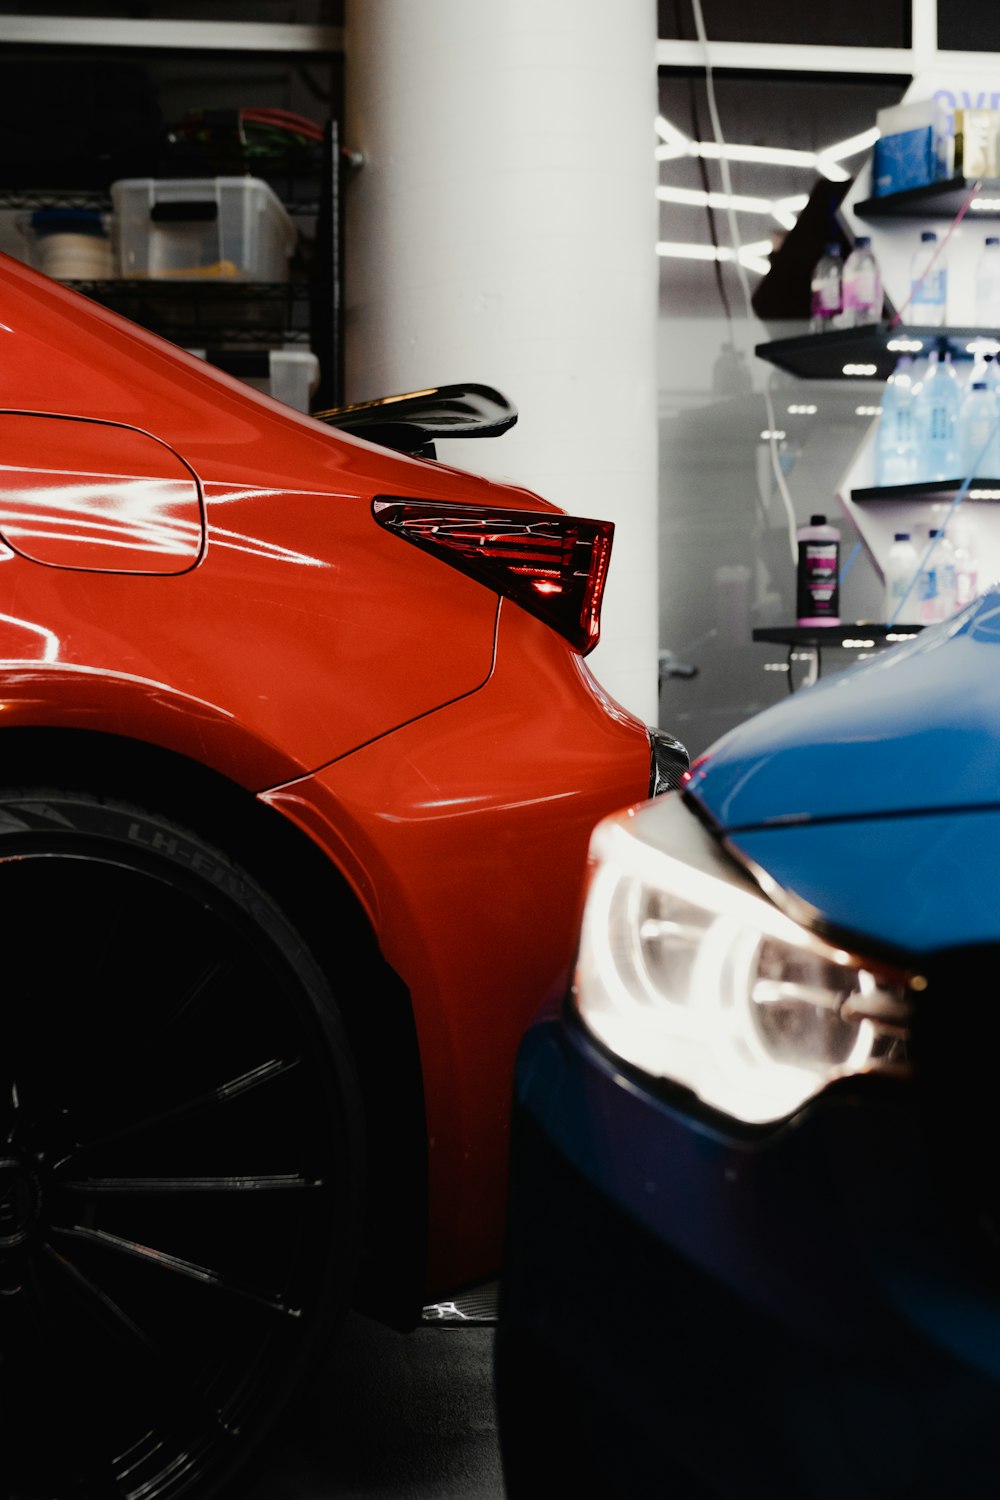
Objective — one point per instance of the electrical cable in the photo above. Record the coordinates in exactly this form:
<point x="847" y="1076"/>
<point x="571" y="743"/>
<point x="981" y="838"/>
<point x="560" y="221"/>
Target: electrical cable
<point x="741" y="271"/>
<point x="720" y="279"/>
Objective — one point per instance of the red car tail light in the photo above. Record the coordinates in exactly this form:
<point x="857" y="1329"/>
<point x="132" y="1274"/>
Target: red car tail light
<point x="553" y="565"/>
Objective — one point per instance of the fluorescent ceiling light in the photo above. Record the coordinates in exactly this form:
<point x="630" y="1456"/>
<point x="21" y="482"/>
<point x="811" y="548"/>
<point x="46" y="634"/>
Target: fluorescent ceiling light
<point x="675" y="144"/>
<point x="699" y="199"/>
<point x="750" y="255"/>
<point x="670" y="135"/>
<point x="675" y="250"/>
<point x="852" y="145"/>
<point x="787" y="210"/>
<point x="775" y="156"/>
<point x="860" y="369"/>
<point x="777" y="208"/>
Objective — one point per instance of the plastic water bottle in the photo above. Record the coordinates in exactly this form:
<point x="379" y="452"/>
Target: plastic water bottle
<point x="982" y="361"/>
<point x="979" y="432"/>
<point x="902" y="600"/>
<point x="966" y="565"/>
<point x="935" y="408"/>
<point x="988" y="284"/>
<point x="827" y="288"/>
<point x="896" y="440"/>
<point x="862" y="285"/>
<point x="946" y="573"/>
<point x="818" y="575"/>
<point x="936" y="583"/>
<point x="928" y="283"/>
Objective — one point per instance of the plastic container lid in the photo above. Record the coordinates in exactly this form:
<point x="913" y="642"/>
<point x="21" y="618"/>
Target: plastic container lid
<point x="901" y="536"/>
<point x="928" y="234"/>
<point x="817" y="520"/>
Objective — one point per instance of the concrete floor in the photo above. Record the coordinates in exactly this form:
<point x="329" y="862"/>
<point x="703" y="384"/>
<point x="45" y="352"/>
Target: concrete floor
<point x="394" y="1417"/>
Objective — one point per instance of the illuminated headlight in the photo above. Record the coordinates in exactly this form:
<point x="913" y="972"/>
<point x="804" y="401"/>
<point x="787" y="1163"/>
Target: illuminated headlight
<point x="687" y="971"/>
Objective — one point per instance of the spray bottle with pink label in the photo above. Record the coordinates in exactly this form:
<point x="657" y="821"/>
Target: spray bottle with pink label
<point x="818" y="578"/>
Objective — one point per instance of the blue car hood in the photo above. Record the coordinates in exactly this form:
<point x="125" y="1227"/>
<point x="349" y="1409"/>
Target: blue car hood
<point x="872" y="799"/>
<point x="915" y="729"/>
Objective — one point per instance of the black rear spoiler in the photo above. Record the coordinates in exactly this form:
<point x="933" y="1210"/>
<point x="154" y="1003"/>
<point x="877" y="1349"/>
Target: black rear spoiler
<point x="409" y="423"/>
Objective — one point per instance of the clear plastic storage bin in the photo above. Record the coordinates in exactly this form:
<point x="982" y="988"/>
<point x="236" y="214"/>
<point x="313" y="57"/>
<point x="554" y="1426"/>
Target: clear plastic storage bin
<point x="229" y="227"/>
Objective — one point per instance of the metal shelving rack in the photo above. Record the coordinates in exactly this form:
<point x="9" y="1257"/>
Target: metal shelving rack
<point x="237" y="322"/>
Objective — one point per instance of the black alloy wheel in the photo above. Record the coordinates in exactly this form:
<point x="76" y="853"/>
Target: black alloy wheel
<point x="179" y="1157"/>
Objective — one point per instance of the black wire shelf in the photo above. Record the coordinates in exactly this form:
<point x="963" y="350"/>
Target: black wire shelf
<point x="189" y="311"/>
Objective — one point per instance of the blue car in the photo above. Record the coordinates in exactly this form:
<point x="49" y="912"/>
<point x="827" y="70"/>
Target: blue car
<point x="754" y="1231"/>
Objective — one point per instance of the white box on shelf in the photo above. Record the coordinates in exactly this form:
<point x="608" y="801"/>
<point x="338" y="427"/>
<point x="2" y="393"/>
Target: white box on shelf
<point x="294" y="376"/>
<point x="233" y="228"/>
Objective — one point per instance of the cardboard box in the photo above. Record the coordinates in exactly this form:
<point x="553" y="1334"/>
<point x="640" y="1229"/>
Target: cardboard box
<point x="977" y="132"/>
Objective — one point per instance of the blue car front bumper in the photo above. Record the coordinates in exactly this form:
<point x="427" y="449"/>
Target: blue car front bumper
<point x="689" y="1310"/>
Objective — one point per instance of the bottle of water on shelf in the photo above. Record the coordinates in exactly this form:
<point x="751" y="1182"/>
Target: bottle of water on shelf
<point x="966" y="564"/>
<point x="896" y="439"/>
<point x="988" y="284"/>
<point x="979" y="432"/>
<point x="902" y="600"/>
<point x="827" y="289"/>
<point x="862" y="285"/>
<point x="982" y="365"/>
<point x="936" y="583"/>
<point x="928" y="283"/>
<point x="935" y="409"/>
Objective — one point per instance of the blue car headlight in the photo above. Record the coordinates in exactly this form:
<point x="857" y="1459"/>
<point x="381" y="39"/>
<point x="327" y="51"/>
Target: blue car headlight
<point x="689" y="972"/>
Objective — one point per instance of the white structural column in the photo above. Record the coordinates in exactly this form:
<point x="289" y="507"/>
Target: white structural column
<point x="502" y="230"/>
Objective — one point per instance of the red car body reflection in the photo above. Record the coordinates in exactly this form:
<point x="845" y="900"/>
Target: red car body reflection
<point x="200" y="616"/>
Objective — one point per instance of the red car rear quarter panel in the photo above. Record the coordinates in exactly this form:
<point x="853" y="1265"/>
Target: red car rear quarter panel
<point x="305" y="656"/>
<point x="306" y="627"/>
<point x="466" y="837"/>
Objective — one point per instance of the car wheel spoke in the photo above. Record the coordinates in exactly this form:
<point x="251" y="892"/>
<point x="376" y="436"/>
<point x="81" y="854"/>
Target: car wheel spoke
<point x="249" y="1182"/>
<point x="138" y="1350"/>
<point x="163" y="1260"/>
<point x="224" y="1093"/>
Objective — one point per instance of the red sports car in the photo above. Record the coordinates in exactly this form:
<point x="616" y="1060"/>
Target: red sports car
<point x="299" y="759"/>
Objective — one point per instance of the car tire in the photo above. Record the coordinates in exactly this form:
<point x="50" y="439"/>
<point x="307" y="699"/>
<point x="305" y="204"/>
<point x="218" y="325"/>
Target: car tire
<point x="180" y="1156"/>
